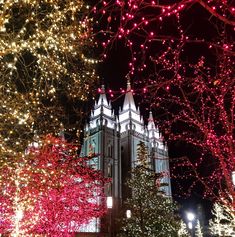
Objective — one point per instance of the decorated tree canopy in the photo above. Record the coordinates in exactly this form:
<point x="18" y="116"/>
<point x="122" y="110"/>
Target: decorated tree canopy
<point x="198" y="229"/>
<point x="46" y="69"/>
<point x="180" y="55"/>
<point x="49" y="191"/>
<point x="222" y="223"/>
<point x="183" y="231"/>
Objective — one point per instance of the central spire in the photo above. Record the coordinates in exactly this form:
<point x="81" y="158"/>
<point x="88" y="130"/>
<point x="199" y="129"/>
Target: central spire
<point x="128" y="84"/>
<point x="129" y="102"/>
<point x="102" y="99"/>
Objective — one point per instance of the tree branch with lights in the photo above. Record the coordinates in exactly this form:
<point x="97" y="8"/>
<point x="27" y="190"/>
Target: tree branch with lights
<point x="46" y="68"/>
<point x="50" y="191"/>
<point x="182" y="54"/>
<point x="151" y="212"/>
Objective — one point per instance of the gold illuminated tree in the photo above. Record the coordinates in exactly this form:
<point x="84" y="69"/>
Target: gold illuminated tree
<point x="46" y="69"/>
<point x="198" y="229"/>
<point x="183" y="231"/>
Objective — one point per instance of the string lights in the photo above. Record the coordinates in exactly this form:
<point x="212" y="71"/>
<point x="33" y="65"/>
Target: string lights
<point x="182" y="53"/>
<point x="49" y="192"/>
<point x="46" y="69"/>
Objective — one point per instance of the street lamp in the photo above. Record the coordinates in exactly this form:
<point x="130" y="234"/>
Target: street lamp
<point x="109" y="202"/>
<point x="190" y="217"/>
<point x="190" y="225"/>
<point x="110" y="206"/>
<point x="128" y="214"/>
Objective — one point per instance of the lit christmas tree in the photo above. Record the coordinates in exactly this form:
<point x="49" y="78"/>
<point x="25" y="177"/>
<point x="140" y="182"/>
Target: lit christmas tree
<point x="152" y="214"/>
<point x="198" y="230"/>
<point x="50" y="192"/>
<point x="183" y="231"/>
<point x="223" y="220"/>
<point x="46" y="72"/>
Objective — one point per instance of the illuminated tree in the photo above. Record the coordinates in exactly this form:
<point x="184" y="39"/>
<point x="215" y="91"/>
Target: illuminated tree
<point x="152" y="213"/>
<point x="46" y="71"/>
<point x="199" y="111"/>
<point x="198" y="229"/>
<point x="183" y="231"/>
<point x="50" y="191"/>
<point x="222" y="223"/>
<point x="149" y="28"/>
<point x="182" y="54"/>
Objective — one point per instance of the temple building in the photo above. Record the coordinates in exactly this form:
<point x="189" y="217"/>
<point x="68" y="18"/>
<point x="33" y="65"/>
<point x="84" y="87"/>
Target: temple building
<point x="114" y="138"/>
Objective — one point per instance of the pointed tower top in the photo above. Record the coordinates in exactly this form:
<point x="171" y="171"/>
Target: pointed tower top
<point x="129" y="102"/>
<point x="102" y="89"/>
<point x="102" y="111"/>
<point x="150" y="116"/>
<point x="61" y="133"/>
<point x="128" y="84"/>
<point x="102" y="99"/>
<point x="151" y="124"/>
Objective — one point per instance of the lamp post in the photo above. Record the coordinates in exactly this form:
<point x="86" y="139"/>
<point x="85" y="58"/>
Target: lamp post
<point x="190" y="217"/>
<point x="110" y="206"/>
<point x="128" y="214"/>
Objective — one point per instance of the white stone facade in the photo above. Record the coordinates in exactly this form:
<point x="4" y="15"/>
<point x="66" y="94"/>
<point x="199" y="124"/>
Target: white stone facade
<point x="114" y="138"/>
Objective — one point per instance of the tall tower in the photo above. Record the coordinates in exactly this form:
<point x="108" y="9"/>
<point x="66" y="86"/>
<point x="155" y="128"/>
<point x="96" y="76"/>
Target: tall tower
<point x="102" y="138"/>
<point x="132" y="131"/>
<point x="115" y="138"/>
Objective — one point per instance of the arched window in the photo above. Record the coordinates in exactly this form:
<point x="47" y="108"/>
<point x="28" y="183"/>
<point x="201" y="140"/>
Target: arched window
<point x="109" y="170"/>
<point x="110" y="151"/>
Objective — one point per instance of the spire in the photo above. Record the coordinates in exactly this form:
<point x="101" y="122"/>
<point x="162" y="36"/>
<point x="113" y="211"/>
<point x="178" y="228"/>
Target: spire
<point x="153" y="130"/>
<point x="129" y="102"/>
<point x="130" y="117"/>
<point x="102" y="99"/>
<point x="151" y="124"/>
<point x="102" y="112"/>
<point x="150" y="116"/>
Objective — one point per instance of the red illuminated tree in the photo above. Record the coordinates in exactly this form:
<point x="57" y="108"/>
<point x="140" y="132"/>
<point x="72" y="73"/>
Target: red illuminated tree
<point x="149" y="29"/>
<point x="50" y="191"/>
<point x="182" y="54"/>
<point x="199" y="110"/>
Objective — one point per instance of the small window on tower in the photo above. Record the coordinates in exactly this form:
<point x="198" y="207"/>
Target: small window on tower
<point x="110" y="151"/>
<point x="109" y="170"/>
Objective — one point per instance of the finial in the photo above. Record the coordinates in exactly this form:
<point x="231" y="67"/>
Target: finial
<point x="102" y="89"/>
<point x="128" y="82"/>
<point x="150" y="116"/>
<point x="128" y="77"/>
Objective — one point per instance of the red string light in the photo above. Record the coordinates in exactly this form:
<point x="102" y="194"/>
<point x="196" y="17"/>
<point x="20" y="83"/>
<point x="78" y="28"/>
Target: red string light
<point x="189" y="73"/>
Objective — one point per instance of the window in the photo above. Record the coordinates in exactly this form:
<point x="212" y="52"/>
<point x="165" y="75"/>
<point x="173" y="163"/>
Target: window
<point x="109" y="171"/>
<point x="110" y="151"/>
